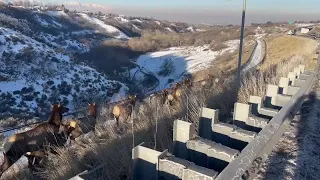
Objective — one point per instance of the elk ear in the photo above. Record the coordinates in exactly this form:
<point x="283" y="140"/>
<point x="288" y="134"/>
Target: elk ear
<point x="94" y="104"/>
<point x="59" y="105"/>
<point x="88" y="104"/>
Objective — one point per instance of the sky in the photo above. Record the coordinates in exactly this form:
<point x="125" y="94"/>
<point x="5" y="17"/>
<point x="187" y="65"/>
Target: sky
<point x="212" y="11"/>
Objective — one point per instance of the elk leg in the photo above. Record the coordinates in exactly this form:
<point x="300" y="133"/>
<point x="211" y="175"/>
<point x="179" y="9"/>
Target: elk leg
<point x="7" y="162"/>
<point x="34" y="158"/>
<point x="117" y="120"/>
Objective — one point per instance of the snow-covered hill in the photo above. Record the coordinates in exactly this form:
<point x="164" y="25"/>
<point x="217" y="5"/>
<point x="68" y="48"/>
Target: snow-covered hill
<point x="172" y="65"/>
<point x="39" y="50"/>
<point x="33" y="73"/>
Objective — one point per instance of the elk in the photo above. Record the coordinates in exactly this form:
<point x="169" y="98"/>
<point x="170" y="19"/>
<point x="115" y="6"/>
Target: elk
<point x="36" y="139"/>
<point x="208" y="82"/>
<point x="187" y="81"/>
<point x="162" y="95"/>
<point x="76" y="128"/>
<point x="174" y="95"/>
<point x="176" y="85"/>
<point x="124" y="110"/>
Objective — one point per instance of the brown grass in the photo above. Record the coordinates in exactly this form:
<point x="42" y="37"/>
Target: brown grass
<point x="255" y="82"/>
<point x="283" y="47"/>
<point x="227" y="62"/>
<point x="114" y="150"/>
<point x="284" y="53"/>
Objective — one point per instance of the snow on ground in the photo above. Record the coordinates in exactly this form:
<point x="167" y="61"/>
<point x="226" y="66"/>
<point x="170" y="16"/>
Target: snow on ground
<point x="137" y="20"/>
<point x="57" y="13"/>
<point x="190" y="29"/>
<point x="136" y="27"/>
<point x="122" y="19"/>
<point x="108" y="28"/>
<point x="184" y="60"/>
<point x="41" y="86"/>
<point x="41" y="21"/>
<point x="158" y="23"/>
<point x="55" y="67"/>
<point x="297" y="156"/>
<point x="169" y="29"/>
<point x="21" y="43"/>
<point x="303" y="24"/>
<point x="200" y="30"/>
<point x="256" y="57"/>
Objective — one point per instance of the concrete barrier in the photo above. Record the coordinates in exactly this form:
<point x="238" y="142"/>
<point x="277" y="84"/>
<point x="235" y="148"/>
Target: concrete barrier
<point x="284" y="84"/>
<point x="276" y="99"/>
<point x="302" y="68"/>
<point x="182" y="132"/>
<point x="297" y="71"/>
<point x="259" y="109"/>
<point x="145" y="162"/>
<point x="298" y="82"/>
<point x="207" y="119"/>
<point x="196" y="172"/>
<point x="291" y="90"/>
<point x="257" y="151"/>
<point x="292" y="76"/>
<point x="242" y="113"/>
<point x="171" y="167"/>
<point x="211" y="156"/>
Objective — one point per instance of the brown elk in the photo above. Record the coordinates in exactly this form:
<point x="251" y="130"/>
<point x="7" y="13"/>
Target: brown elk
<point x="176" y="85"/>
<point x="36" y="139"/>
<point x="174" y="95"/>
<point x="208" y="82"/>
<point x="124" y="110"/>
<point x="76" y="128"/>
<point x="162" y="95"/>
<point x="188" y="82"/>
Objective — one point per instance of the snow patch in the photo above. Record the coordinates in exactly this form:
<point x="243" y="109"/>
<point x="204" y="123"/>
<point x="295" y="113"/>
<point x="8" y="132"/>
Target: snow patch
<point x="190" y="29"/>
<point x="169" y="29"/>
<point x="185" y="60"/>
<point x="137" y="20"/>
<point x="108" y="28"/>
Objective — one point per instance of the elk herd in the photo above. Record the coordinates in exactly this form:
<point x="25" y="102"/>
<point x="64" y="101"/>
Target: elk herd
<point x="55" y="132"/>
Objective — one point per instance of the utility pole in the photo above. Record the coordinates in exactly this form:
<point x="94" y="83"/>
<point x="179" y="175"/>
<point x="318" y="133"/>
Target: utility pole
<point x="238" y="80"/>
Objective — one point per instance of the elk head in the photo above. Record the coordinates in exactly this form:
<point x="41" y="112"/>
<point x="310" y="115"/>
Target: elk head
<point x="92" y="110"/>
<point x="132" y="99"/>
<point x="56" y="113"/>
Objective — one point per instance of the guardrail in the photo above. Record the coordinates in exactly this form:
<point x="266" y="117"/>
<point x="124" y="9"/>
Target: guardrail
<point x="214" y="153"/>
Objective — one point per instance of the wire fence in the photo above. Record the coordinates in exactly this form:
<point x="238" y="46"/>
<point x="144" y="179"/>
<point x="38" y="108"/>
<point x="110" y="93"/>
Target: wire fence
<point x="81" y="110"/>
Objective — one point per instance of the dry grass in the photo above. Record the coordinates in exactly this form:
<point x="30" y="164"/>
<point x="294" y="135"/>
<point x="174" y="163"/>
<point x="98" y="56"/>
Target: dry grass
<point x="227" y="63"/>
<point x="281" y="48"/>
<point x="114" y="150"/>
<point x="284" y="53"/>
<point x="255" y="82"/>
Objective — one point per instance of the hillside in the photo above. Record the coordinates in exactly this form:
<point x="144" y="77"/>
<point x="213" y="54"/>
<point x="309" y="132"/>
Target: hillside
<point x="46" y="56"/>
